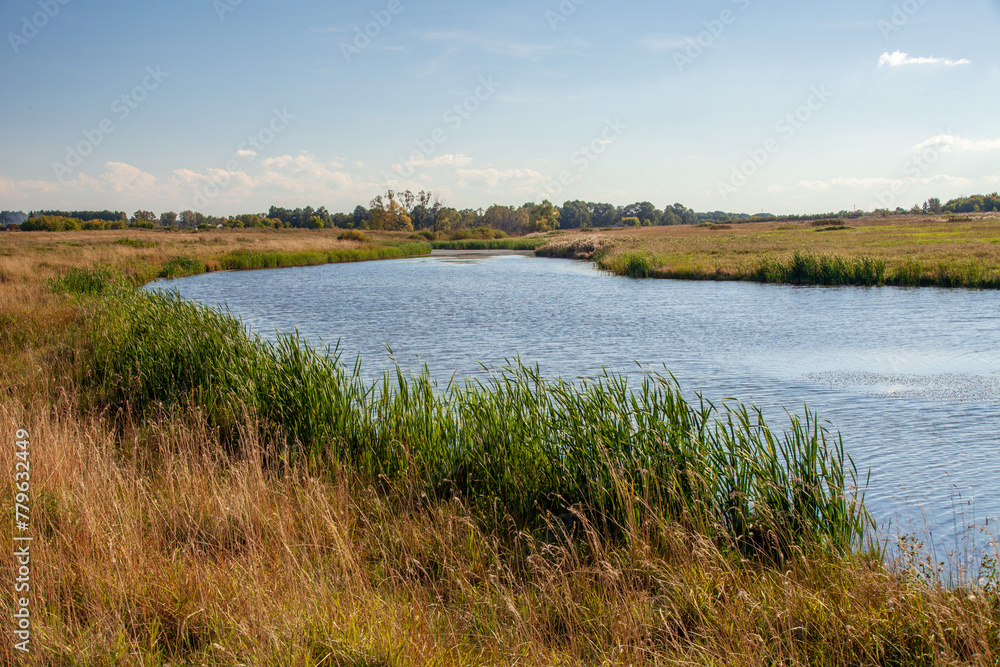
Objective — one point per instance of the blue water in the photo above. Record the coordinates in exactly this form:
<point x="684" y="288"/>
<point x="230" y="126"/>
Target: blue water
<point x="911" y="377"/>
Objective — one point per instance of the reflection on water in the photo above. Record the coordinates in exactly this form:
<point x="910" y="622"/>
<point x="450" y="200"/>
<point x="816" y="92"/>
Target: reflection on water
<point x="910" y="377"/>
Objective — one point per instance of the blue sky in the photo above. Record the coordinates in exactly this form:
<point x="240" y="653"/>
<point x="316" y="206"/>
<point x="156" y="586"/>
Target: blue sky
<point x="229" y="106"/>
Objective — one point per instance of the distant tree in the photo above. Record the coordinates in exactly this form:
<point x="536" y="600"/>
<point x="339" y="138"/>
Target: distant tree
<point x="143" y="216"/>
<point x="424" y="210"/>
<point x="447" y="219"/>
<point x="932" y="205"/>
<point x="189" y="219"/>
<point x="388" y="214"/>
<point x="13" y="217"/>
<point x="575" y="215"/>
<point x="670" y="217"/>
<point x="342" y="220"/>
<point x="361" y="217"/>
<point x="647" y="213"/>
<point x="168" y="219"/>
<point x="603" y="215"/>
<point x="631" y="221"/>
<point x="471" y="218"/>
<point x="507" y="219"/>
<point x="542" y="217"/>
<point x="686" y="215"/>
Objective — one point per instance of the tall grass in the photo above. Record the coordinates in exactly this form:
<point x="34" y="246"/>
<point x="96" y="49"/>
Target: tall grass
<point x="491" y="244"/>
<point x="242" y="260"/>
<point x="807" y="269"/>
<point x="517" y="443"/>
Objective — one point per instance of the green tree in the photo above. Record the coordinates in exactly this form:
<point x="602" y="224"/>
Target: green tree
<point x="542" y="217"/>
<point x="168" y="219"/>
<point x="575" y="215"/>
<point x="387" y="213"/>
<point x="316" y="222"/>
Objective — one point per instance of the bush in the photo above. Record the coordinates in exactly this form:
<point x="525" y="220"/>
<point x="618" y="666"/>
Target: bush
<point x="355" y="235"/>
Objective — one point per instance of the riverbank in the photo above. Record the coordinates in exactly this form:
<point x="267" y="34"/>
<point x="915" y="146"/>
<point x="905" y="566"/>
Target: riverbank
<point x="910" y="250"/>
<point x="200" y="498"/>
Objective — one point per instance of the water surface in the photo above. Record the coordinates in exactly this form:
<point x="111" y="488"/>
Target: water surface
<point x="909" y="376"/>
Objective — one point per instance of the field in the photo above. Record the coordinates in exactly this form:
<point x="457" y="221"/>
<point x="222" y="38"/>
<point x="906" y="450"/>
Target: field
<point x="199" y="496"/>
<point x="947" y="251"/>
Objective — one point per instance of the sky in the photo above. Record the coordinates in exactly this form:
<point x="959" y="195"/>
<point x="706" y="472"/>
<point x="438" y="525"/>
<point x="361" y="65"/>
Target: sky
<point x="231" y="106"/>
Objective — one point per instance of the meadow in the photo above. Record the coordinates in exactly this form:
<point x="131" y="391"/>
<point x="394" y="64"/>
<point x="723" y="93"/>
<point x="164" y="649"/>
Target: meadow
<point x="200" y="496"/>
<point x="943" y="251"/>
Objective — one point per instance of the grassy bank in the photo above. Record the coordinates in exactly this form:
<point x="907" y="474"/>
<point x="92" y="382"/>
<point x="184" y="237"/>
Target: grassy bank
<point x="530" y="243"/>
<point x="919" y="251"/>
<point x="201" y="497"/>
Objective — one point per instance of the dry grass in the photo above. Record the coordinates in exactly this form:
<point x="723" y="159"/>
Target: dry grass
<point x="733" y="251"/>
<point x="177" y="556"/>
<point x="26" y="256"/>
<point x="151" y="548"/>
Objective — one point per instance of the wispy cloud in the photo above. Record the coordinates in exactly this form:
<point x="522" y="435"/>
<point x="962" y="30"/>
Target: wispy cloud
<point x="901" y="59"/>
<point x="493" y="177"/>
<point x="493" y="43"/>
<point x="866" y="184"/>
<point x="666" y="42"/>
<point x="947" y="143"/>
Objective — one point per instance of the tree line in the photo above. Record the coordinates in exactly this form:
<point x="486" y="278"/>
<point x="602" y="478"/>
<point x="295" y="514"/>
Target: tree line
<point x="408" y="211"/>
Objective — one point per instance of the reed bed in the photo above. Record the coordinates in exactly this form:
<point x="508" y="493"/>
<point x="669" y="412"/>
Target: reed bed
<point x="527" y="447"/>
<point x="911" y="251"/>
<point x="195" y="506"/>
<point x="530" y="243"/>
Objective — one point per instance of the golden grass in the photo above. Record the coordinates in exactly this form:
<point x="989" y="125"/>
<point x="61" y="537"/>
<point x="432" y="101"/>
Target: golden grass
<point x="152" y="548"/>
<point x="730" y="251"/>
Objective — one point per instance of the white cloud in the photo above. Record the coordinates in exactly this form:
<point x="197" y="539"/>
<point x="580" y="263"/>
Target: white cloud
<point x="124" y="178"/>
<point x="246" y="153"/>
<point x="305" y="173"/>
<point x="448" y="159"/>
<point x="493" y="43"/>
<point x="900" y="59"/>
<point x="666" y="42"/>
<point x="947" y="143"/>
<point x="874" y="183"/>
<point x="493" y="177"/>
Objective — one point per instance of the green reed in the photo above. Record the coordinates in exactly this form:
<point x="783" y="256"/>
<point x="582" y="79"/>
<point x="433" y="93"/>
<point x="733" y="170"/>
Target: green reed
<point x="492" y="244"/>
<point x="515" y="442"/>
<point x="242" y="260"/>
